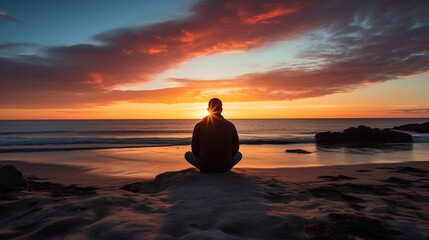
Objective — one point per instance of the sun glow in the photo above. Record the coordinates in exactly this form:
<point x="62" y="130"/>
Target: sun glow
<point x="203" y="113"/>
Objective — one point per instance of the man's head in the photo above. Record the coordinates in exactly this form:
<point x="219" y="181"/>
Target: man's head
<point x="215" y="105"/>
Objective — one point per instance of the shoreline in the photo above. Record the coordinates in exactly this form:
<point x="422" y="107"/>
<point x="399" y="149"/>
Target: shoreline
<point x="149" y="161"/>
<point x="84" y="176"/>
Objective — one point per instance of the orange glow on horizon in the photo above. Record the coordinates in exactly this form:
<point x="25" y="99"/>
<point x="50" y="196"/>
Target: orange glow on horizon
<point x="375" y="101"/>
<point x="255" y="110"/>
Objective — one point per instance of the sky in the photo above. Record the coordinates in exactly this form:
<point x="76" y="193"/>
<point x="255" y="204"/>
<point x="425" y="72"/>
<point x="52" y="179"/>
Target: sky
<point x="165" y="59"/>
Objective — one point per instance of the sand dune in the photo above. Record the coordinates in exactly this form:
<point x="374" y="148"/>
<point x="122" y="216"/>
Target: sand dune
<point x="374" y="201"/>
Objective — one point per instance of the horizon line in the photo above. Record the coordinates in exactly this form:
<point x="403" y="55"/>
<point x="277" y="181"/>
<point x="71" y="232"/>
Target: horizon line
<point x="107" y="119"/>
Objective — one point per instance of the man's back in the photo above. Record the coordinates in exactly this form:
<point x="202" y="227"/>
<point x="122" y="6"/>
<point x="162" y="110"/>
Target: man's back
<point x="214" y="142"/>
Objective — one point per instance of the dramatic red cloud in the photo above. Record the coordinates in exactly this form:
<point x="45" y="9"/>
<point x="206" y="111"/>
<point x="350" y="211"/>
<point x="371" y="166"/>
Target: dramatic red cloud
<point x="265" y="17"/>
<point x="367" y="42"/>
<point x="156" y="49"/>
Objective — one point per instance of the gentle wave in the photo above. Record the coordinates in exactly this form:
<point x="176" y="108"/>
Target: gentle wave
<point x="421" y="139"/>
<point x="51" y="149"/>
<point x="29" y="144"/>
<point x="70" y="141"/>
<point x="61" y="144"/>
<point x="18" y="141"/>
<point x="31" y="132"/>
<point x="112" y="132"/>
<point x="161" y="141"/>
<point x="275" y="141"/>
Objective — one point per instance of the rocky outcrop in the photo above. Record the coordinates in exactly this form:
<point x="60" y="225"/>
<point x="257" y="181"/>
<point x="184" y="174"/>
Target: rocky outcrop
<point x="11" y="179"/>
<point x="415" y="127"/>
<point x="364" y="134"/>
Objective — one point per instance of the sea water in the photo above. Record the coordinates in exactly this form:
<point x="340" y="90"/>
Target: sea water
<point x="148" y="147"/>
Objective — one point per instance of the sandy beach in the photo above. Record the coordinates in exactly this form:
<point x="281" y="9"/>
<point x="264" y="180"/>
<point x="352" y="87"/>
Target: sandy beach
<point x="370" y="201"/>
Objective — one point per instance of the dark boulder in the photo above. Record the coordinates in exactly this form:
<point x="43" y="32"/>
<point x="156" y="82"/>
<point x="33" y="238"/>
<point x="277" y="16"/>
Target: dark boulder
<point x="302" y="151"/>
<point x="364" y="134"/>
<point x="415" y="127"/>
<point x="132" y="187"/>
<point x="11" y="179"/>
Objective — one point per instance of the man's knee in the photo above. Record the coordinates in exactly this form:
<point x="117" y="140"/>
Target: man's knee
<point x="192" y="159"/>
<point x="189" y="156"/>
<point x="237" y="157"/>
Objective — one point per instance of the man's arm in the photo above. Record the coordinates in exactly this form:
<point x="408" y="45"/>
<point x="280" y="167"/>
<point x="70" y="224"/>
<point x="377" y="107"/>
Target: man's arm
<point x="235" y="142"/>
<point x="196" y="141"/>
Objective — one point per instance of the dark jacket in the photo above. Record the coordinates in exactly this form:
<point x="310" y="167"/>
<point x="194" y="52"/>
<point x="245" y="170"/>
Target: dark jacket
<point x="214" y="142"/>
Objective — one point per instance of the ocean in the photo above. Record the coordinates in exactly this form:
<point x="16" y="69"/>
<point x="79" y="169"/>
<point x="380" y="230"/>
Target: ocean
<point x="147" y="147"/>
<point x="54" y="135"/>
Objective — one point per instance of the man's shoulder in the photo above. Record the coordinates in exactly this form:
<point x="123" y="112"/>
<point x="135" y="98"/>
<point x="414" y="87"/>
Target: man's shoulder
<point x="229" y="124"/>
<point x="198" y="124"/>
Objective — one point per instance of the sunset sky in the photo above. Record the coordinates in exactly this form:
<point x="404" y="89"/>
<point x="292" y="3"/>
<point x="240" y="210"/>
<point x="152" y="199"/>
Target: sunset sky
<point x="166" y="59"/>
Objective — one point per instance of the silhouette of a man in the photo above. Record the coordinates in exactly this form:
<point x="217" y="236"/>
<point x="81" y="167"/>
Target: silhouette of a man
<point x="215" y="142"/>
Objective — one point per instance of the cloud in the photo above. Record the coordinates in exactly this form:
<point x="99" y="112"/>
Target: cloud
<point x="411" y="111"/>
<point x="16" y="49"/>
<point x="355" y="43"/>
<point x="10" y="45"/>
<point x="6" y="17"/>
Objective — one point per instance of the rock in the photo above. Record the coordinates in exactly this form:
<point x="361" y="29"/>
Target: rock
<point x="59" y="190"/>
<point x="11" y="179"/>
<point x="415" y="127"/>
<point x="132" y="187"/>
<point x="336" y="178"/>
<point x="351" y="226"/>
<point x="398" y="180"/>
<point x="364" y="134"/>
<point x="162" y="181"/>
<point x="302" y="151"/>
